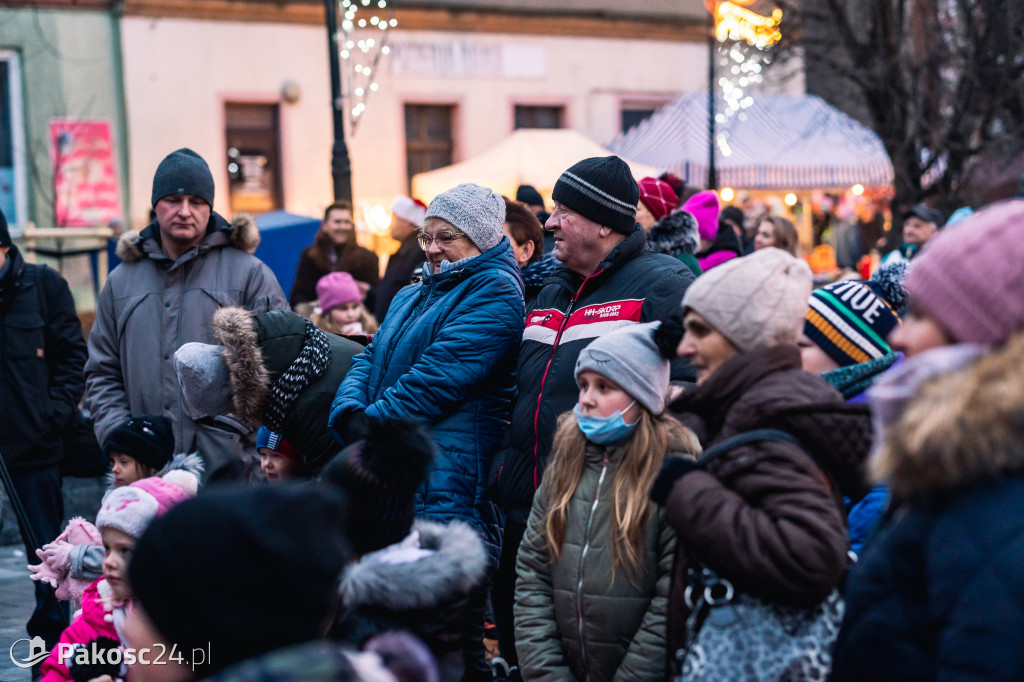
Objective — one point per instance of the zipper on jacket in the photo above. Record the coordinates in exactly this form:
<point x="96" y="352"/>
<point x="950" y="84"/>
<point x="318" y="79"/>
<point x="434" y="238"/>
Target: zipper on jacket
<point x="583" y="556"/>
<point x="544" y="378"/>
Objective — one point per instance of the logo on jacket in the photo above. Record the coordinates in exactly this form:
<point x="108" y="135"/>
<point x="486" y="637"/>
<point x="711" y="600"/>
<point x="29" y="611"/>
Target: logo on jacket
<point x="604" y="311"/>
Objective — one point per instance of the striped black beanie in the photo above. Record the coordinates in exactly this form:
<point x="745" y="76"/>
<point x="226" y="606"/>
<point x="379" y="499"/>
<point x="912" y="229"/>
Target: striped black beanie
<point x="601" y="189"/>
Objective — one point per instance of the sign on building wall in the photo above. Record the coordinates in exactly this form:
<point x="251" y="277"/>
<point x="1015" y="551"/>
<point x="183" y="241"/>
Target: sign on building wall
<point x="85" y="184"/>
<point x="467" y="60"/>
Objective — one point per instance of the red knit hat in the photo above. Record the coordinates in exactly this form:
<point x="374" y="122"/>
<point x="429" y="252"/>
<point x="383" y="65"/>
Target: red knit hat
<point x="657" y="196"/>
<point x="970" y="279"/>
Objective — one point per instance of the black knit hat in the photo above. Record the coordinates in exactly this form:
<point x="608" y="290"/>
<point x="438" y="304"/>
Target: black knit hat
<point x="5" y="235"/>
<point x="183" y="172"/>
<point x="601" y="189"/>
<point x="149" y="438"/>
<point x="242" y="570"/>
<point x="529" y="195"/>
<point x="380" y="476"/>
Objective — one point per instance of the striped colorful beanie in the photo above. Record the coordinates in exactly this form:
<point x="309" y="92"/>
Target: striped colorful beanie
<point x="851" y="320"/>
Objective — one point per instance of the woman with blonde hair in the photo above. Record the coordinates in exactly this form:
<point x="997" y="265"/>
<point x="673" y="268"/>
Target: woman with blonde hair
<point x="778" y="232"/>
<point x="596" y="560"/>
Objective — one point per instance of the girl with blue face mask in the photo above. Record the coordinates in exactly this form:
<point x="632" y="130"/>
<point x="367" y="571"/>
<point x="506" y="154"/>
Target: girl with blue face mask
<point x="595" y="563"/>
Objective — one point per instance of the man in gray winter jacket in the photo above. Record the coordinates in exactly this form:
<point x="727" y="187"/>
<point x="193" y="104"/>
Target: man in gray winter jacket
<point x="175" y="274"/>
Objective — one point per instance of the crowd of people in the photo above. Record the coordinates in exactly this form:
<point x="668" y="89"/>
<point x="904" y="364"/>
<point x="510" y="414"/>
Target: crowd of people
<point x="627" y="439"/>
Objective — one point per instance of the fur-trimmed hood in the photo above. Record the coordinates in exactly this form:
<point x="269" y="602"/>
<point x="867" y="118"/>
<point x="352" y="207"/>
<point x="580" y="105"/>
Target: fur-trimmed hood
<point x="965" y="427"/>
<point x="235" y="329"/>
<point x="241" y="233"/>
<point x="456" y="564"/>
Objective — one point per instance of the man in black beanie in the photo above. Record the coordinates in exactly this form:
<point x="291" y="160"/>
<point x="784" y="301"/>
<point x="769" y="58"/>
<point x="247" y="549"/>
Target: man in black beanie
<point x="42" y="353"/>
<point x="239" y="573"/>
<point x="175" y="274"/>
<point x="611" y="279"/>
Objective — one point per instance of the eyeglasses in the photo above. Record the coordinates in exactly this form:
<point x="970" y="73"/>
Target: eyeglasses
<point x="443" y="239"/>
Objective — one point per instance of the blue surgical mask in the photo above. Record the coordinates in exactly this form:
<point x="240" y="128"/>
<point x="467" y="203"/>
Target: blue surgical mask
<point x="605" y="430"/>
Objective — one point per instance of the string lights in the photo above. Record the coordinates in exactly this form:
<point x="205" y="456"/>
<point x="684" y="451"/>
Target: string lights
<point x="744" y="46"/>
<point x="362" y="42"/>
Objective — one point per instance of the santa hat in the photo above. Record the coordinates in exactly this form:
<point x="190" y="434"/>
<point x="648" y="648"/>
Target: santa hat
<point x="412" y="210"/>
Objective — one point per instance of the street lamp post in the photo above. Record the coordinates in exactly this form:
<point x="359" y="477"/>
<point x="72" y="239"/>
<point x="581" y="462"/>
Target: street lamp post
<point x="712" y="56"/>
<point x="341" y="167"/>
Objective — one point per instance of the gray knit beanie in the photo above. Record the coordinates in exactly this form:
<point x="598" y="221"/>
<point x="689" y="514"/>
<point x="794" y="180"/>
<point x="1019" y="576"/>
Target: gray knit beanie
<point x="629" y="357"/>
<point x="477" y="211"/>
<point x="755" y="301"/>
<point x="183" y="172"/>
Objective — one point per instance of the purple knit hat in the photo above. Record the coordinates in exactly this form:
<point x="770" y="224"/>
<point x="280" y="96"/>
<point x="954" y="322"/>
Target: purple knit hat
<point x="970" y="279"/>
<point x="335" y="289"/>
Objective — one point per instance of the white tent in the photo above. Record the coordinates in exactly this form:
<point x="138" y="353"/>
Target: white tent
<point x="526" y="157"/>
<point x="778" y="142"/>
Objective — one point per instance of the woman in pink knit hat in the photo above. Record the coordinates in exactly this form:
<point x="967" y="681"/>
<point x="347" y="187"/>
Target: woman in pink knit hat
<point x="718" y="243"/>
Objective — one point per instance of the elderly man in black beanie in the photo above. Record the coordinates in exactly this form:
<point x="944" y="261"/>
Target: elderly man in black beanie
<point x="610" y="279"/>
<point x="41" y="357"/>
<point x="175" y="274"/>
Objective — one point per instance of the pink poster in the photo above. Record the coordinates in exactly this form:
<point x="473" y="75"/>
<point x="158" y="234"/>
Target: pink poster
<point x="85" y="185"/>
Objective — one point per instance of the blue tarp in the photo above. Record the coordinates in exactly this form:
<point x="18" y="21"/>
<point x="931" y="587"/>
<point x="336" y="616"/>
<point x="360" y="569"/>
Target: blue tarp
<point x="283" y="237"/>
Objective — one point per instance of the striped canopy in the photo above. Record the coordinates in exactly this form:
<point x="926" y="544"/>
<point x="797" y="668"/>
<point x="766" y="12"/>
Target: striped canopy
<point x="778" y="142"/>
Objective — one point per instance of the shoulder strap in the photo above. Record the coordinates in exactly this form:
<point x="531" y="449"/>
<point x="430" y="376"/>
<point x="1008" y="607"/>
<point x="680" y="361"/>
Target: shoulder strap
<point x="752" y="436"/>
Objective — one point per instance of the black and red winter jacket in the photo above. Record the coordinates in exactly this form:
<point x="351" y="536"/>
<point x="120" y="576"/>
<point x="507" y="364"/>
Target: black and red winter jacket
<point x="630" y="286"/>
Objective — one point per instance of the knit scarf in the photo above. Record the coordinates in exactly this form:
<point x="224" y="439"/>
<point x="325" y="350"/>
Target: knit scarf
<point x="311" y="364"/>
<point x="855" y="379"/>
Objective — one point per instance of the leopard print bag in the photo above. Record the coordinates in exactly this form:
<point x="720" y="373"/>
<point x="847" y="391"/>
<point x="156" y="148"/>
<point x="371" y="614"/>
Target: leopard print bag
<point x="735" y="636"/>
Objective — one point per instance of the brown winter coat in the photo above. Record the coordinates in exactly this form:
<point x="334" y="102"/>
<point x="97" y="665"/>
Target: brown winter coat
<point x="766" y="516"/>
<point x="323" y="258"/>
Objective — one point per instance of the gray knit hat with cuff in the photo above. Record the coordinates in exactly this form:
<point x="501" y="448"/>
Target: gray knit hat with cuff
<point x="476" y="211"/>
<point x="601" y="189"/>
<point x="629" y="357"/>
<point x="183" y="172"/>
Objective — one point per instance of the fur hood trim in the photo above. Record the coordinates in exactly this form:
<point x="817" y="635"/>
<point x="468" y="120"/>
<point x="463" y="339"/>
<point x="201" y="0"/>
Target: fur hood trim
<point x="450" y="572"/>
<point x="235" y="330"/>
<point x="242" y="233"/>
<point x="674" y="234"/>
<point x="965" y="427"/>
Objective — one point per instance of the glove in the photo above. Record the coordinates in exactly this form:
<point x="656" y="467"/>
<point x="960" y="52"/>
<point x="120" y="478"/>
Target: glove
<point x="57" y="554"/>
<point x="672" y="470"/>
<point x="45" y="572"/>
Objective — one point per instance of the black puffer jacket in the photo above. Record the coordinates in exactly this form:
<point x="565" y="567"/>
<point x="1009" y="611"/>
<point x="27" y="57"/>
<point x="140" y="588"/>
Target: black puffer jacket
<point x="631" y="285"/>
<point x="398" y="274"/>
<point x="42" y="354"/>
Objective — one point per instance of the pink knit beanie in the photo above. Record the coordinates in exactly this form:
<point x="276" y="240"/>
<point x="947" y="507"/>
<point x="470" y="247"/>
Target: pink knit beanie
<point x="704" y="207"/>
<point x="132" y="507"/>
<point x="970" y="277"/>
<point x="335" y="289"/>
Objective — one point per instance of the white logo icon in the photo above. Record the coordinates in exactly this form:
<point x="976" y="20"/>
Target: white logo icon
<point x="36" y="652"/>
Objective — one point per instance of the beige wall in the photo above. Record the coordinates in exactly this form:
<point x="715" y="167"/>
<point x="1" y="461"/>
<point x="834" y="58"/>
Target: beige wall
<point x="179" y="72"/>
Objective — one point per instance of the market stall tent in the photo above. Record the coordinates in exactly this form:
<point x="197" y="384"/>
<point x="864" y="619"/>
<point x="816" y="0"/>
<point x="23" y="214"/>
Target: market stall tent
<point x="777" y="142"/>
<point x="527" y="156"/>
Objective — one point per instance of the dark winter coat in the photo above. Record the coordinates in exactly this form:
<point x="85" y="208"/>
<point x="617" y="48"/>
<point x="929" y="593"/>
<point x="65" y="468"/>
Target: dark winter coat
<point x="315" y="262"/>
<point x="631" y="285"/>
<point x="258" y="350"/>
<point x="42" y="354"/>
<point x="767" y="516"/>
<point x="429" y="596"/>
<point x="446" y="355"/>
<point x="574" y="619"/>
<point x="152" y="305"/>
<point x="398" y="274"/>
<point x="939" y="592"/>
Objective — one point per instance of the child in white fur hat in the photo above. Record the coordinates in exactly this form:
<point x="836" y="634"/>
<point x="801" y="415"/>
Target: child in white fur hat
<point x="124" y="515"/>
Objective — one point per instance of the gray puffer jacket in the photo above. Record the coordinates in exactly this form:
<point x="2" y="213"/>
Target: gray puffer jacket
<point x="575" y="620"/>
<point x="152" y="305"/>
